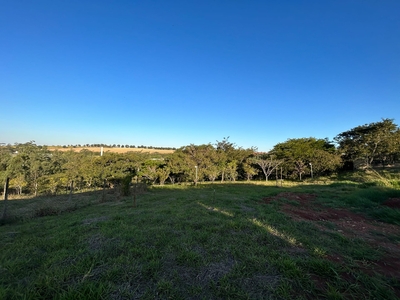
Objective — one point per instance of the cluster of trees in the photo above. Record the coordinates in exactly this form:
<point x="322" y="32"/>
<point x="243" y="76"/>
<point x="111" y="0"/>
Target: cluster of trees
<point x="370" y="144"/>
<point x="34" y="169"/>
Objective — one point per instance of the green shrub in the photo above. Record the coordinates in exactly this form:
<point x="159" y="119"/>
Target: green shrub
<point x="125" y="185"/>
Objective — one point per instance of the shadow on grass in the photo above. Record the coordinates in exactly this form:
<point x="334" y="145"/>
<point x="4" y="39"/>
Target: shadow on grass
<point x="209" y="241"/>
<point x="28" y="207"/>
<point x="335" y="261"/>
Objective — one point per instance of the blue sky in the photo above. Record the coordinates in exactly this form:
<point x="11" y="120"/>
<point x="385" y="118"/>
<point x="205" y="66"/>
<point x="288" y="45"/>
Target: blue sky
<point x="172" y="73"/>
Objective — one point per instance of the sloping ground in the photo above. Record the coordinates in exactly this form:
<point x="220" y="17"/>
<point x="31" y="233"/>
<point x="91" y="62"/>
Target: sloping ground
<point x="204" y="242"/>
<point x="304" y="207"/>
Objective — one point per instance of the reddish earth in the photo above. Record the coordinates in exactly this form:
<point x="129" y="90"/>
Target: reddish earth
<point x="351" y="225"/>
<point x="393" y="203"/>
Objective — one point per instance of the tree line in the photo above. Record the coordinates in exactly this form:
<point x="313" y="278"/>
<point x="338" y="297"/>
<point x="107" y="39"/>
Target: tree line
<point x="34" y="169"/>
<point x="115" y="146"/>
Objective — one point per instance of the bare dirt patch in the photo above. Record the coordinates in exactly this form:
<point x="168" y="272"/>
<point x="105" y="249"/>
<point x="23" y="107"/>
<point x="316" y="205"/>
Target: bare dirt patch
<point x="304" y="207"/>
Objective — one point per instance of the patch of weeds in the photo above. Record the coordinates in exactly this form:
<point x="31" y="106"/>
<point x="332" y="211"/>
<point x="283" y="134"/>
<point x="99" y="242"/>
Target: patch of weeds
<point x="188" y="258"/>
<point x="284" y="290"/>
<point x="227" y="289"/>
<point x="95" y="220"/>
<point x="321" y="267"/>
<point x="288" y="267"/>
<point x="215" y="271"/>
<point x="165" y="289"/>
<point x="89" y="290"/>
<point x="386" y="214"/>
<point x="333" y="293"/>
<point x="366" y="185"/>
<point x="259" y="286"/>
<point x="292" y="202"/>
<point x="361" y="251"/>
<point x="46" y="211"/>
<point x="393" y="238"/>
<point x="151" y="269"/>
<point x="329" y="225"/>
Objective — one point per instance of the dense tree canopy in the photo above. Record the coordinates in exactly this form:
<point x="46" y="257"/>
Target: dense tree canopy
<point x="300" y="155"/>
<point x="34" y="169"/>
<point x="374" y="142"/>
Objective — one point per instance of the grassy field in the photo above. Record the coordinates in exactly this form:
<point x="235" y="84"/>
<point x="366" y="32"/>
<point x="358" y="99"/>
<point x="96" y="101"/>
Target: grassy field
<point x="112" y="149"/>
<point x="222" y="241"/>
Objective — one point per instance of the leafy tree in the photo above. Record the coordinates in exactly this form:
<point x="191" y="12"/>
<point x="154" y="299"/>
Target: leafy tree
<point x="73" y="168"/>
<point x="379" y="141"/>
<point x="321" y="153"/>
<point x="6" y="155"/>
<point x="267" y="163"/>
<point x="225" y="155"/>
<point x="149" y="171"/>
<point x="176" y="162"/>
<point x="201" y="156"/>
<point x="56" y="182"/>
<point x="33" y="161"/>
<point x="231" y="171"/>
<point x="19" y="182"/>
<point x="248" y="170"/>
<point x="212" y="172"/>
<point x="163" y="174"/>
<point x="117" y="166"/>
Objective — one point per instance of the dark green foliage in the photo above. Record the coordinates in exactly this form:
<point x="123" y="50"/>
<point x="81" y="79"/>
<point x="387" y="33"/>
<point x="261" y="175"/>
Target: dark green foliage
<point x="300" y="155"/>
<point x="374" y="142"/>
<point x="126" y="185"/>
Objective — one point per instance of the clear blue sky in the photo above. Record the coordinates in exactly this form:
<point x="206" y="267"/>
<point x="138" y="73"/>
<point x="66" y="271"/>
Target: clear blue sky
<point x="171" y="73"/>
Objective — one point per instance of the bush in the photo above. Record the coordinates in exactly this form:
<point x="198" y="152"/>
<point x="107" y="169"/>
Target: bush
<point x="125" y="185"/>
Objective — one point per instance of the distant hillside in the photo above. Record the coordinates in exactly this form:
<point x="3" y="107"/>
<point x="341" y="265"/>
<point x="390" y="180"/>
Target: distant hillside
<point x="111" y="149"/>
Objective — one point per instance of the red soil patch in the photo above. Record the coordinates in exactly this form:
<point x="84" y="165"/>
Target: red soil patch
<point x="308" y="209"/>
<point x="291" y="196"/>
<point x="349" y="224"/>
<point x="392" y="202"/>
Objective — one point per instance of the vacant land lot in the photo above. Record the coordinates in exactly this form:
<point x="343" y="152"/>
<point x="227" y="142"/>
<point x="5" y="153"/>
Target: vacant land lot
<point x="115" y="150"/>
<point x="221" y="241"/>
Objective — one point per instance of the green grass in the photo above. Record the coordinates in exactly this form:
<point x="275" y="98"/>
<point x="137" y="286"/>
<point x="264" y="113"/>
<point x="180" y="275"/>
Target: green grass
<point x="184" y="242"/>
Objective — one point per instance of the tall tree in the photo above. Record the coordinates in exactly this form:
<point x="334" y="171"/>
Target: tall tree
<point x="225" y="150"/>
<point x="228" y="155"/>
<point x="33" y="161"/>
<point x="198" y="158"/>
<point x="6" y="155"/>
<point x="267" y="163"/>
<point x="321" y="153"/>
<point x="248" y="170"/>
<point x="378" y="141"/>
